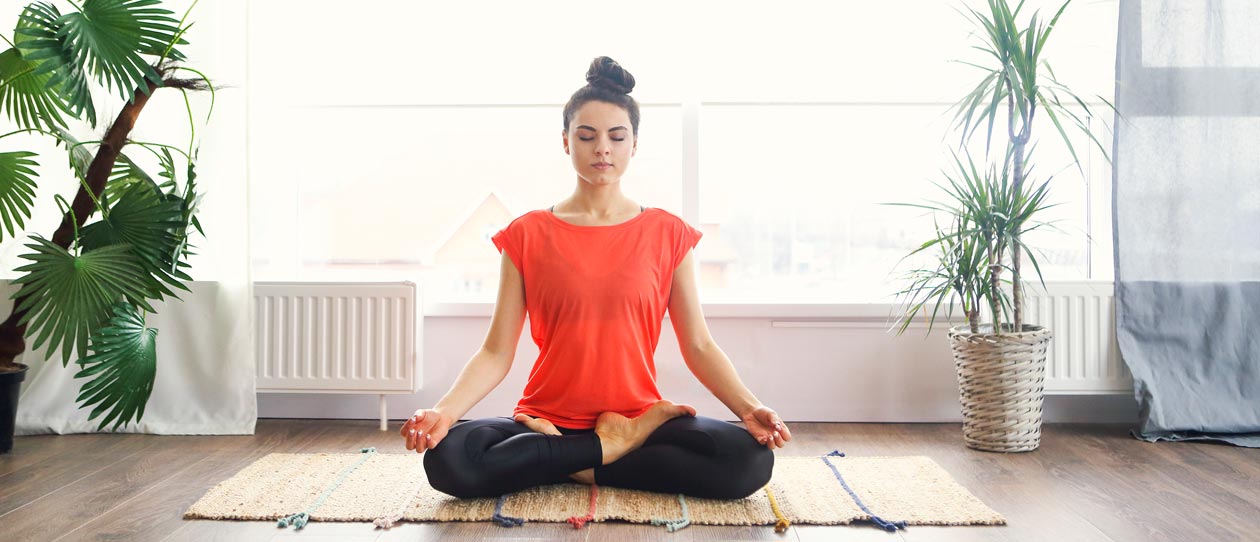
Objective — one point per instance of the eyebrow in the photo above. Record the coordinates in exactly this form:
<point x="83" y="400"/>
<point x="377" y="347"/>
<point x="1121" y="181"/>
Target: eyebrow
<point x="610" y="129"/>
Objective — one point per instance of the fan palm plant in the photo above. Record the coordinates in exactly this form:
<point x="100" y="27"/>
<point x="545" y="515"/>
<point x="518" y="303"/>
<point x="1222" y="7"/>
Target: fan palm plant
<point x="87" y="289"/>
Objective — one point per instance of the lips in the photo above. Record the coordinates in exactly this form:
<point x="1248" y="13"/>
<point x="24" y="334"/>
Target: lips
<point x="601" y="165"/>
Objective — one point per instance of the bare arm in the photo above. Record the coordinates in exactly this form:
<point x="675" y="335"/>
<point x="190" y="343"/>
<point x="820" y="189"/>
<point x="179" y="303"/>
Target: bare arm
<point x="711" y="365"/>
<point x="427" y="427"/>
<point x="703" y="356"/>
<point x="493" y="360"/>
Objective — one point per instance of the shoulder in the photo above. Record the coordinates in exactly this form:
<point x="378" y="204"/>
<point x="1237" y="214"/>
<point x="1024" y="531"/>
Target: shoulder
<point x="526" y="220"/>
<point x="668" y="218"/>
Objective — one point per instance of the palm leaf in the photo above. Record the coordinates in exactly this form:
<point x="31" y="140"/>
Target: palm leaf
<point x="109" y="36"/>
<point x="17" y="189"/>
<point x="123" y="367"/>
<point x="78" y="156"/>
<point x="38" y="38"/>
<point x="24" y="95"/>
<point x="125" y="174"/>
<point x="147" y="222"/>
<point x="67" y="296"/>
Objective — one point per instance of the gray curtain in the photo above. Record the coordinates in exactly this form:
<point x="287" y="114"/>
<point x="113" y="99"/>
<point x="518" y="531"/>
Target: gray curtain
<point x="1186" y="211"/>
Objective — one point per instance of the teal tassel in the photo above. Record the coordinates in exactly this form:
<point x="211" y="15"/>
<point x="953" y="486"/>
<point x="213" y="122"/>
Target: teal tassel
<point x="299" y="519"/>
<point x="672" y="525"/>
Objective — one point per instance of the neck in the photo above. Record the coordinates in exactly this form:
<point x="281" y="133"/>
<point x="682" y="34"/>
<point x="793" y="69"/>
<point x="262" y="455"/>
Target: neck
<point x="602" y="202"/>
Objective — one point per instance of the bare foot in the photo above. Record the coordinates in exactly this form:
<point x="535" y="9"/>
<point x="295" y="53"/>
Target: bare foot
<point x="539" y="425"/>
<point x="586" y="477"/>
<point x="620" y="435"/>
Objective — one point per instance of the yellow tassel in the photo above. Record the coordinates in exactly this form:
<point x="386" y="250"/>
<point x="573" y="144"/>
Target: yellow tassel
<point x="783" y="524"/>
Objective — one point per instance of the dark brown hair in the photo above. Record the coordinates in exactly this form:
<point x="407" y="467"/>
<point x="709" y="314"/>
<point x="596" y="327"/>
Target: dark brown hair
<point x="606" y="81"/>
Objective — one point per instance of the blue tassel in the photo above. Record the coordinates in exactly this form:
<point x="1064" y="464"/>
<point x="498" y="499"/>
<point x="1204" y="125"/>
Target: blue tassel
<point x="882" y="523"/>
<point x="506" y="521"/>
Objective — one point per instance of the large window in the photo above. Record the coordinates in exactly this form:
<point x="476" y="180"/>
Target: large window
<point x="777" y="130"/>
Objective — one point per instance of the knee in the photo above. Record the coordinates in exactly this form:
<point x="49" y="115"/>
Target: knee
<point x="448" y="472"/>
<point x="750" y="470"/>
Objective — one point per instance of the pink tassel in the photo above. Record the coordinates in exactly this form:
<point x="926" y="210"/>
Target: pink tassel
<point x="578" y="522"/>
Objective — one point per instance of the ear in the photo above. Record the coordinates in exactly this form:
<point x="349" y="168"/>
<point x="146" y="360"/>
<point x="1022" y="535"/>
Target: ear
<point x="565" y="136"/>
<point x="634" y="146"/>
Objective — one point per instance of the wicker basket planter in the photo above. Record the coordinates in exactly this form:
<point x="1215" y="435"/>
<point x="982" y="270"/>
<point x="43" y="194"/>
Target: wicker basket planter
<point x="1001" y="386"/>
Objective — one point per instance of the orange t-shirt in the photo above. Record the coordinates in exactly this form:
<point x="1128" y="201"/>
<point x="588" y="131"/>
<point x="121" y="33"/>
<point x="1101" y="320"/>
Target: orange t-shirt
<point x="595" y="296"/>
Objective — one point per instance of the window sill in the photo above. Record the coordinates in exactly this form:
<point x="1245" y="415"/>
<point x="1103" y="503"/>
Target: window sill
<point x="855" y="312"/>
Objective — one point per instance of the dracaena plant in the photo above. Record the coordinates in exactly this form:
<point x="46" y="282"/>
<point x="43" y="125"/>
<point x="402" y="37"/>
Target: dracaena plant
<point x="87" y="289"/>
<point x="986" y="216"/>
<point x="1017" y="83"/>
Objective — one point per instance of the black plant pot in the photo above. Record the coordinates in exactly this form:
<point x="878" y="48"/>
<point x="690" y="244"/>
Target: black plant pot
<point x="10" y="386"/>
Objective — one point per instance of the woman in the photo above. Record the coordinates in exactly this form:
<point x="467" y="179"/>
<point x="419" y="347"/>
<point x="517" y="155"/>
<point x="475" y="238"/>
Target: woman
<point x="596" y="273"/>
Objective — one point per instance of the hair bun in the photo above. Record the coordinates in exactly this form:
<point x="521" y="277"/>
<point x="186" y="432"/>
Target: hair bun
<point x="606" y="72"/>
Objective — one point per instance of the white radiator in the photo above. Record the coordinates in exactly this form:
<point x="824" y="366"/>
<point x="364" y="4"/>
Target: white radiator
<point x="1083" y="356"/>
<point x="336" y="337"/>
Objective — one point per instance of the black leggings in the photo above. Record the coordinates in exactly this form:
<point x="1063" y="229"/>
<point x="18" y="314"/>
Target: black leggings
<point x="693" y="455"/>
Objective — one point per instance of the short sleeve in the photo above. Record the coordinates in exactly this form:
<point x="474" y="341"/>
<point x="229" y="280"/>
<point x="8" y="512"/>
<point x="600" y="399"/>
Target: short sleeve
<point x="686" y="238"/>
<point x="507" y="241"/>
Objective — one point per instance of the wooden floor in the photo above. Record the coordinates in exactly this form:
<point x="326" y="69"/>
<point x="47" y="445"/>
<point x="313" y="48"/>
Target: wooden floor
<point x="1087" y="482"/>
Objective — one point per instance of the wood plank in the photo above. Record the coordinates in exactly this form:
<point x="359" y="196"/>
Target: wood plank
<point x="1087" y="482"/>
<point x="30" y="449"/>
<point x="156" y="512"/>
<point x="1013" y="484"/>
<point x="84" y="456"/>
<point x="1161" y="490"/>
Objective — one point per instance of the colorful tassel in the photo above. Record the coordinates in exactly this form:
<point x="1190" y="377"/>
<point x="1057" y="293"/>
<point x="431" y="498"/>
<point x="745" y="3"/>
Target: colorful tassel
<point x="299" y="519"/>
<point x="578" y="522"/>
<point x="506" y="521"/>
<point x="783" y="524"/>
<point x="675" y="524"/>
<point x="882" y="523"/>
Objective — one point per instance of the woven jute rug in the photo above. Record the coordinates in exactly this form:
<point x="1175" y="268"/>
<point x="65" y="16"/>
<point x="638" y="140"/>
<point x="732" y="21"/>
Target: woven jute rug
<point x="385" y="488"/>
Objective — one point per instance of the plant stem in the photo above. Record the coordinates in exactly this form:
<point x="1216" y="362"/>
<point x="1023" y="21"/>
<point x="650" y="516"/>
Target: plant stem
<point x="1017" y="289"/>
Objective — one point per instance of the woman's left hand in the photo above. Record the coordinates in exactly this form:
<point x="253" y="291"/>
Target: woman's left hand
<point x="765" y="425"/>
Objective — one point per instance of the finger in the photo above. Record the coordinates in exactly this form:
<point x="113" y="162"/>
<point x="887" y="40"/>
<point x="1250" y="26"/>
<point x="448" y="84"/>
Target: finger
<point x="778" y="440"/>
<point x="411" y="422"/>
<point x="783" y="431"/>
<point x="423" y="427"/>
<point x="405" y="426"/>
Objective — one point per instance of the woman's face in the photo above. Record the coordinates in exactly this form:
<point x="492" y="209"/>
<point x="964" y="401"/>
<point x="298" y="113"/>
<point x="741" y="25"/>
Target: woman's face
<point x="600" y="142"/>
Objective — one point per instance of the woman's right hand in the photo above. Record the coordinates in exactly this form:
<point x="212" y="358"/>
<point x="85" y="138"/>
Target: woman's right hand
<point x="424" y="429"/>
